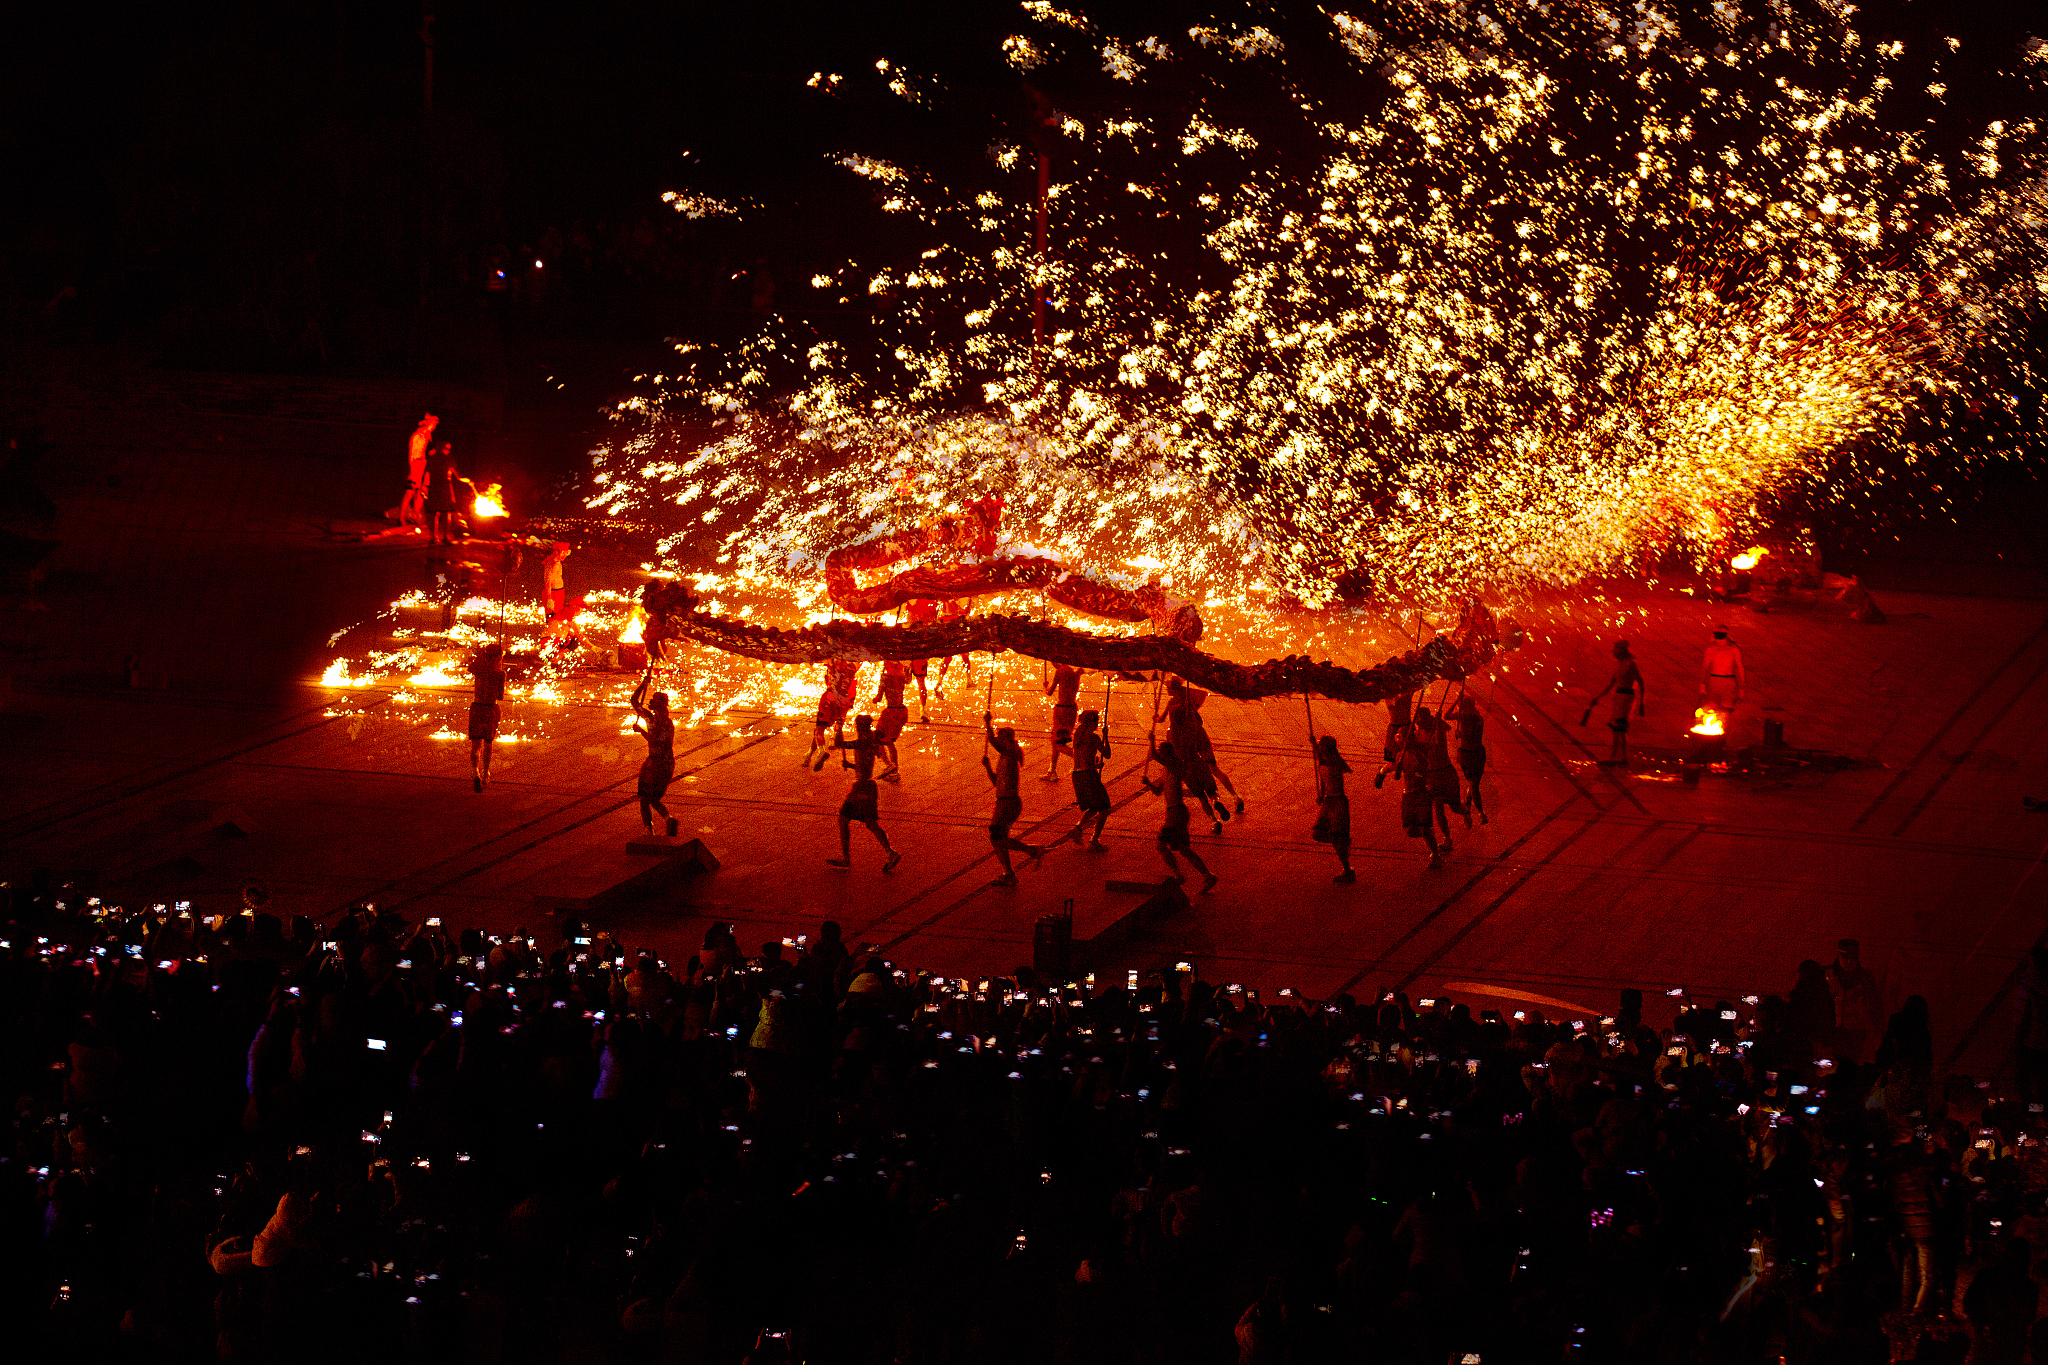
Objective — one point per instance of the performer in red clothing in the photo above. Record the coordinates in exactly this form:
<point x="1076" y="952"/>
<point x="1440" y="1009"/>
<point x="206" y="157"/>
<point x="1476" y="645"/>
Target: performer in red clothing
<point x="895" y="715"/>
<point x="1065" y="691"/>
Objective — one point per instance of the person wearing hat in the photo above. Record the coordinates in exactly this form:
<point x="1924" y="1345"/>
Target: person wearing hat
<point x="1721" y="676"/>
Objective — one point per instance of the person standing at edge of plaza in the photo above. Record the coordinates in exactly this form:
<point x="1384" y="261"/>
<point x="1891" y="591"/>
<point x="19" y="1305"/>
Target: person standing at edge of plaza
<point x="412" y="508"/>
<point x="863" y="803"/>
<point x="489" y="671"/>
<point x="658" y="769"/>
<point x="1333" y="807"/>
<point x="1091" y="752"/>
<point x="895" y="715"/>
<point x="1065" y="691"/>
<point x="1859" y="1001"/>
<point x="1009" y="803"/>
<point x="1628" y="688"/>
<point x="444" y="503"/>
<point x="1721" y="677"/>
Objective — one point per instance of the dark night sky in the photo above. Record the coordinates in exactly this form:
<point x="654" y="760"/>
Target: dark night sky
<point x="253" y="185"/>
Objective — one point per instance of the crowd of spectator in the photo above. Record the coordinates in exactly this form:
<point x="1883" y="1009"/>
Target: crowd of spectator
<point x="254" y="1138"/>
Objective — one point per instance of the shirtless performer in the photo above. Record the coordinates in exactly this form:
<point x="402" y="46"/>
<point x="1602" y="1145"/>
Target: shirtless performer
<point x="842" y="686"/>
<point x="489" y="671"/>
<point x="1091" y="752"/>
<point x="1009" y="805"/>
<point x="412" y="508"/>
<point x="895" y="715"/>
<point x="1472" y="755"/>
<point x="659" y="767"/>
<point x="1174" y="840"/>
<point x="1722" y="678"/>
<point x="1190" y="739"/>
<point x="862" y="803"/>
<point x="1628" y="688"/>
<point x="921" y="611"/>
<point x="1065" y="691"/>
<point x="954" y="609"/>
<point x="1399" y="712"/>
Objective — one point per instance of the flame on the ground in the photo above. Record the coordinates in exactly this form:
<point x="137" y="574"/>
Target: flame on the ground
<point x="489" y="504"/>
<point x="636" y="626"/>
<point x="1748" y="558"/>
<point x="1707" y="721"/>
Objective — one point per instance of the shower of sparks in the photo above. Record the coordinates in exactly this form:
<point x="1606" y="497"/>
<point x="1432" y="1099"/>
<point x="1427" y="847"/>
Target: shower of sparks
<point x="1555" y="293"/>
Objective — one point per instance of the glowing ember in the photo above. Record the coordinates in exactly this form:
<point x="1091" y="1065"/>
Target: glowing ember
<point x="1707" y="722"/>
<point x="1548" y="296"/>
<point x="488" y="503"/>
<point x="1748" y="558"/>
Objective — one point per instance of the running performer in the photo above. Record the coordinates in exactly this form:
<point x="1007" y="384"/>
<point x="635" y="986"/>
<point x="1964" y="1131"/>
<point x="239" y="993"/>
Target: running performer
<point x="1472" y="755"/>
<point x="863" y="802"/>
<point x="1333" y="807"/>
<point x="1091" y="752"/>
<point x="895" y="715"/>
<point x="842" y="686"/>
<point x="1174" y="838"/>
<point x="921" y="611"/>
<point x="1629" y="689"/>
<point x="1009" y="805"/>
<point x="1065" y="691"/>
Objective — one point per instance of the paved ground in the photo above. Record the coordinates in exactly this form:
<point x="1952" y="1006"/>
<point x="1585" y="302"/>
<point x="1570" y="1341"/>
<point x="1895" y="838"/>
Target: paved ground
<point x="1585" y="881"/>
<point x="196" y="540"/>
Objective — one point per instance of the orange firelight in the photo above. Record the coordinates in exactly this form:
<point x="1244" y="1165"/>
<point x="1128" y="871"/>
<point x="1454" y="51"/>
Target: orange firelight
<point x="488" y="504"/>
<point x="1748" y="558"/>
<point x="1707" y="721"/>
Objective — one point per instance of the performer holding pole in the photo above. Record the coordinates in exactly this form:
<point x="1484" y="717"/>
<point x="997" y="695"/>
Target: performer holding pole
<point x="1009" y="805"/>
<point x="489" y="671"/>
<point x="1472" y="755"/>
<point x="658" y="769"/>
<point x="1174" y="839"/>
<point x="954" y="609"/>
<point x="1191" y="746"/>
<point x="842" y="687"/>
<point x="1628" y="688"/>
<point x="895" y="715"/>
<point x="863" y="802"/>
<point x="1333" y="807"/>
<point x="412" y="508"/>
<point x="1091" y="752"/>
<point x="921" y="611"/>
<point x="1065" y="690"/>
<point x="1399" y="713"/>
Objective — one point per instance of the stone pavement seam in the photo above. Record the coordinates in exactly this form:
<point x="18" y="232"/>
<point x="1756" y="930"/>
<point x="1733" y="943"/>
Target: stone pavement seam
<point x="1949" y="724"/>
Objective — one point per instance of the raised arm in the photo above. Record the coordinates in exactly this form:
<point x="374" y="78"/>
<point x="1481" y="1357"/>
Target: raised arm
<point x="640" y="696"/>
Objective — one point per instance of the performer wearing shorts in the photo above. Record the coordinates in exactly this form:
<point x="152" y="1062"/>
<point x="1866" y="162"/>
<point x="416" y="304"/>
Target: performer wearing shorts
<point x="658" y="769"/>
<point x="842" y="685"/>
<point x="1628" y="688"/>
<point x="1065" y="690"/>
<point x="412" y="508"/>
<point x="1399" y="711"/>
<point x="1722" y="677"/>
<point x="862" y="804"/>
<point x="1472" y="755"/>
<point x="1435" y="731"/>
<point x="1174" y="839"/>
<point x="921" y="611"/>
<point x="895" y="715"/>
<point x="1009" y="805"/>
<point x="489" y="671"/>
<point x="554" y="590"/>
<point x="1333" y="807"/>
<point x="1091" y="752"/>
<point x="1190" y="740"/>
